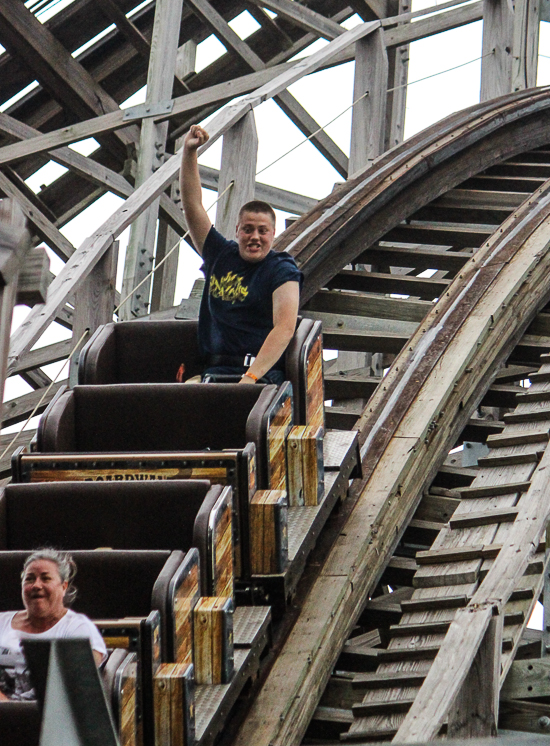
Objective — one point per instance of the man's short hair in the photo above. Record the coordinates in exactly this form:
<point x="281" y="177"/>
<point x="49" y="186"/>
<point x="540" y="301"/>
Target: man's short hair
<point x="257" y="206"/>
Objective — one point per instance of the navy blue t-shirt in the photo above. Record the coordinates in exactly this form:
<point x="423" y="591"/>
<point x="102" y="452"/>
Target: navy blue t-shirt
<point x="236" y="312"/>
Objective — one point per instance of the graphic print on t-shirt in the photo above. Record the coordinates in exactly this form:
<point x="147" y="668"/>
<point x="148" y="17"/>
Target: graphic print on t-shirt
<point x="15" y="680"/>
<point x="228" y="288"/>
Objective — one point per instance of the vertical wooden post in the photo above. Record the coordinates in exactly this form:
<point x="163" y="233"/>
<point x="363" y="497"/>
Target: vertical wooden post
<point x="474" y="713"/>
<point x="164" y="280"/>
<point x="160" y="78"/>
<point x="496" y="48"/>
<point x="398" y="60"/>
<point x="14" y="245"/>
<point x="239" y="153"/>
<point x="369" y="113"/>
<point x="526" y="44"/>
<point x="94" y="303"/>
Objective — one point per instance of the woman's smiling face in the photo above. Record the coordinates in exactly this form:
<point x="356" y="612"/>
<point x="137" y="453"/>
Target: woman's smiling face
<point x="43" y="590"/>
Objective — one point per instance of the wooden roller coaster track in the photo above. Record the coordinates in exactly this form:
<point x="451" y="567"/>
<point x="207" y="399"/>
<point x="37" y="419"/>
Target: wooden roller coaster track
<point x="435" y="195"/>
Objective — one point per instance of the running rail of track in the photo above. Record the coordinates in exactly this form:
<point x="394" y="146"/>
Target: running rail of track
<point x="423" y="403"/>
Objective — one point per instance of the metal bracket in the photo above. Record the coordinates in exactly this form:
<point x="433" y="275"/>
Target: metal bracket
<point x="144" y="111"/>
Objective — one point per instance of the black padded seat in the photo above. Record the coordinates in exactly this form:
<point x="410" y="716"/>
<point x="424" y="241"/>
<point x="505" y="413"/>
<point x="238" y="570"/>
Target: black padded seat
<point x="152" y="351"/>
<point x="19" y="723"/>
<point x="121" y="515"/>
<point x="164" y="417"/>
<point x="140" y="352"/>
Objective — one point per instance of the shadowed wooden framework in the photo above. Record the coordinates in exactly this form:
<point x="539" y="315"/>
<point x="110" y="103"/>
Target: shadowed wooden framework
<point x="431" y="203"/>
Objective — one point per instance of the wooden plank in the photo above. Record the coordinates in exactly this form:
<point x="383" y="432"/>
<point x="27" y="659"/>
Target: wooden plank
<point x="495" y="489"/>
<point x="238" y="167"/>
<point x="459" y="554"/>
<point x="304" y="17"/>
<point x="378" y="282"/>
<point x="474" y="713"/>
<point x="434" y="25"/>
<point x="94" y="304"/>
<point x="67" y="80"/>
<point x="370" y="95"/>
<point x="367" y="305"/>
<point x="527" y="679"/>
<point x="17" y="410"/>
<point x="496" y="48"/>
<point x="140" y="251"/>
<point x="484" y="518"/>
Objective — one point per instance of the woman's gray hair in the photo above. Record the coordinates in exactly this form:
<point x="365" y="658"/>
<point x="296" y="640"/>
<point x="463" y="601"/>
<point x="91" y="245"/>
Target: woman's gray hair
<point x="66" y="568"/>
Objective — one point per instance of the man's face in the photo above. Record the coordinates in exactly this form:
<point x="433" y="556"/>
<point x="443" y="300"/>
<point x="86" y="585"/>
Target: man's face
<point x="255" y="235"/>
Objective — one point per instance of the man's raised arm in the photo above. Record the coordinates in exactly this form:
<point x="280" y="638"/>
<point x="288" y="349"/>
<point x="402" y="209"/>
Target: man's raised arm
<point x="190" y="185"/>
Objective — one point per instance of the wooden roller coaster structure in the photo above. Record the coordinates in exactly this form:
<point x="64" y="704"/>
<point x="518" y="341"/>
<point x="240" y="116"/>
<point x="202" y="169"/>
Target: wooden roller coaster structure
<point x="416" y="605"/>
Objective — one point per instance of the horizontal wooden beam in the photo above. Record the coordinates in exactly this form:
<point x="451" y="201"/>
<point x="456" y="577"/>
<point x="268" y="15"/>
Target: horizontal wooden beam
<point x="17" y="410"/>
<point x="280" y="199"/>
<point x="304" y="17"/>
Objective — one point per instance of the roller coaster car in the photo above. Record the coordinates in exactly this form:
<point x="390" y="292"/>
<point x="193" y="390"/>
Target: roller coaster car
<point x="130" y="515"/>
<point x="142" y="602"/>
<point x="152" y="352"/>
<point x="228" y="434"/>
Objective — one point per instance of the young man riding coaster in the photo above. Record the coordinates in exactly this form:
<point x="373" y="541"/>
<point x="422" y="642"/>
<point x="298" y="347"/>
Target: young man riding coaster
<point x="250" y="305"/>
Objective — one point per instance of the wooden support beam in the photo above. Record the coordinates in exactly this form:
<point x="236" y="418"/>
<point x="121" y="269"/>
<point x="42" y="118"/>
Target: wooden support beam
<point x="166" y="259"/>
<point x="398" y="79"/>
<point x="14" y="246"/>
<point x="238" y="167"/>
<point x="496" y="48"/>
<point x="291" y="107"/>
<point x="369" y="111"/>
<point x="94" y="304"/>
<point x="67" y="81"/>
<point x="17" y="410"/>
<point x="434" y="25"/>
<point x="140" y="252"/>
<point x="304" y="17"/>
<point x="43" y="227"/>
<point x="526" y="23"/>
<point x="128" y="29"/>
<point x="474" y="713"/>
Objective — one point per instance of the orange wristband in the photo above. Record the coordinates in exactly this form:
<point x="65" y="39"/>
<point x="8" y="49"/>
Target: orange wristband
<point x="251" y="375"/>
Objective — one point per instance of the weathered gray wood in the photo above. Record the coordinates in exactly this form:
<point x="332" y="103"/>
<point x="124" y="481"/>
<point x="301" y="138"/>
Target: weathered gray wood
<point x="496" y="65"/>
<point x="304" y="17"/>
<point x="19" y="409"/>
<point x="238" y="167"/>
<point x="279" y="199"/>
<point x="292" y="108"/>
<point x="44" y="227"/>
<point x="55" y="68"/>
<point x="126" y="27"/>
<point x="466" y="632"/>
<point x="94" y="304"/>
<point x="526" y="43"/>
<point x="474" y="713"/>
<point x="34" y="278"/>
<point x="140" y="253"/>
<point x="14" y="246"/>
<point x="397" y="92"/>
<point x="369" y="111"/>
<point x="527" y="680"/>
<point x="434" y="25"/>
